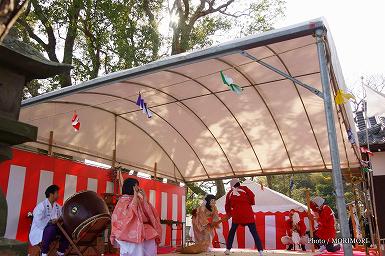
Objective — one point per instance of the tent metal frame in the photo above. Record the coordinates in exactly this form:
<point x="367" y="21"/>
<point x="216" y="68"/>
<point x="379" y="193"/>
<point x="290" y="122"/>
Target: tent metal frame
<point x="240" y="47"/>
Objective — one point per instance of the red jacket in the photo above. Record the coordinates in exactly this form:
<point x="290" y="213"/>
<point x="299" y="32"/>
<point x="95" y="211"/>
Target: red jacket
<point x="326" y="224"/>
<point x="240" y="207"/>
<point x="301" y="227"/>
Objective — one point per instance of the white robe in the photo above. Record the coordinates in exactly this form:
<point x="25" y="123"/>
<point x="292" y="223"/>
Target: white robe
<point x="42" y="214"/>
<point x="147" y="248"/>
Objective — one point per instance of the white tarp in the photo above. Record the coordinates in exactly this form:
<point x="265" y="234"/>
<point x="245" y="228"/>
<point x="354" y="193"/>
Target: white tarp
<point x="199" y="129"/>
<point x="266" y="200"/>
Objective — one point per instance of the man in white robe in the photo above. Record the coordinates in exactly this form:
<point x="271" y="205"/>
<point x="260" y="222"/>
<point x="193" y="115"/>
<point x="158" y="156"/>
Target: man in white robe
<point x="45" y="216"/>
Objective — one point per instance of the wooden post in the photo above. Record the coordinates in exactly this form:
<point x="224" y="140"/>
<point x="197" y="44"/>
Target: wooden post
<point x="354" y="224"/>
<point x="50" y="142"/>
<point x="310" y="216"/>
<point x="155" y="170"/>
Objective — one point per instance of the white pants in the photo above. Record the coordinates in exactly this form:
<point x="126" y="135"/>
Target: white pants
<point x="147" y="248"/>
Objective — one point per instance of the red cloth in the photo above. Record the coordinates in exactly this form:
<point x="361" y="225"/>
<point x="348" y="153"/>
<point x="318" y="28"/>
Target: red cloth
<point x="326" y="224"/>
<point x="239" y="207"/>
<point x="301" y="227"/>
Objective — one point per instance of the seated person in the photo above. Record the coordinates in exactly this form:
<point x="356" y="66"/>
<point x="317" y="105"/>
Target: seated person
<point x="135" y="224"/>
<point x="202" y="226"/>
<point x="45" y="216"/>
<point x="295" y="231"/>
<point x="326" y="230"/>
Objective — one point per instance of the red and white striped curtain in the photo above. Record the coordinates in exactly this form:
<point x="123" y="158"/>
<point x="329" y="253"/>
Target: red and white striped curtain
<point x="270" y="226"/>
<point x="25" y="178"/>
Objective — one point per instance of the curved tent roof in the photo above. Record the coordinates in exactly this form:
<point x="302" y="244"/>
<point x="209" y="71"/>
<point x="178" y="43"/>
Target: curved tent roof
<point x="200" y="129"/>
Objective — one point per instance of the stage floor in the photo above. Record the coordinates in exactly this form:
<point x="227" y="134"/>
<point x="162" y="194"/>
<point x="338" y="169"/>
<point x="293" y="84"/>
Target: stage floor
<point x="244" y="252"/>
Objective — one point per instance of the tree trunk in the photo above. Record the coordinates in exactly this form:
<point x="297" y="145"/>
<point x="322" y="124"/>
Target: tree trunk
<point x="220" y="189"/>
<point x="270" y="181"/>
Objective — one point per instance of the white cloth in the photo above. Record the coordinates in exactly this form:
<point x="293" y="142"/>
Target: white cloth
<point x="235" y="191"/>
<point x="233" y="182"/>
<point x="42" y="214"/>
<point x="318" y="201"/>
<point x="296" y="218"/>
<point x="147" y="248"/>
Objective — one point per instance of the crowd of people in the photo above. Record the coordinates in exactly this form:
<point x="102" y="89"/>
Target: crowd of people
<point x="136" y="228"/>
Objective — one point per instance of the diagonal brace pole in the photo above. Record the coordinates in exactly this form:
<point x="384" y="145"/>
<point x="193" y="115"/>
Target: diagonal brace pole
<point x="308" y="87"/>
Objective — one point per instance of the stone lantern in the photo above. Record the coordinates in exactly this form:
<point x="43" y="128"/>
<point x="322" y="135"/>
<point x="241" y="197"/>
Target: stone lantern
<point x="19" y="64"/>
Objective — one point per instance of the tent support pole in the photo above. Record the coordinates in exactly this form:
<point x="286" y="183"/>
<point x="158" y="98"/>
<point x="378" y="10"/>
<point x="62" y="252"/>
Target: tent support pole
<point x="332" y="136"/>
<point x="276" y="70"/>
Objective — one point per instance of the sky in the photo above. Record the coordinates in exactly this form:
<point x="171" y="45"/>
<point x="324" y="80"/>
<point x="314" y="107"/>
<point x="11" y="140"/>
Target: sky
<point x="358" y="29"/>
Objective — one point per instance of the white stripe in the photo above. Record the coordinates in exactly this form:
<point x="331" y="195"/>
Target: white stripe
<point x="270" y="232"/>
<point x="14" y="199"/>
<point x="184" y="218"/>
<point x="221" y="238"/>
<point x="70" y="186"/>
<point x="152" y="197"/>
<point x="92" y="184"/>
<point x="306" y="220"/>
<point x="46" y="180"/>
<point x="163" y="215"/>
<point x="110" y="187"/>
<point x="174" y="216"/>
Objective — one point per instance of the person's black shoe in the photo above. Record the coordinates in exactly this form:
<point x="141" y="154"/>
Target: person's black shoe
<point x="290" y="248"/>
<point x="303" y="247"/>
<point x="333" y="248"/>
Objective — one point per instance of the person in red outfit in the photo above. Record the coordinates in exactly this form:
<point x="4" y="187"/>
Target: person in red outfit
<point x="239" y="202"/>
<point x="326" y="230"/>
<point x="295" y="231"/>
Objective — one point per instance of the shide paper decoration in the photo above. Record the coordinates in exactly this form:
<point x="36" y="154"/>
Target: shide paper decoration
<point x="75" y="122"/>
<point x="143" y="106"/>
<point x="230" y="83"/>
<point x="342" y="97"/>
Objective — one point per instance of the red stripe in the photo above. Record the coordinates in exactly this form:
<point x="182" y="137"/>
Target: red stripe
<point x="101" y="186"/>
<point x="179" y="231"/>
<point x="215" y="241"/>
<point x="28" y="200"/>
<point x="81" y="183"/>
<point x="169" y="217"/>
<point x="225" y="226"/>
<point x="241" y="236"/>
<point x="4" y="176"/>
<point x="260" y="223"/>
<point x="59" y="178"/>
<point x="280" y="228"/>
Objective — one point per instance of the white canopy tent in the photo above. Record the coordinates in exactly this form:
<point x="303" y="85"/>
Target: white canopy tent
<point x="282" y="122"/>
<point x="200" y="130"/>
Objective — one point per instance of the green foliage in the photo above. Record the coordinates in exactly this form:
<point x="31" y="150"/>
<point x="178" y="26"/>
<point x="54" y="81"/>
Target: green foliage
<point x="320" y="184"/>
<point x="192" y="201"/>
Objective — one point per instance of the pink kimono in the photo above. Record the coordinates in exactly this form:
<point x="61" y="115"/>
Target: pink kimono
<point x="134" y="221"/>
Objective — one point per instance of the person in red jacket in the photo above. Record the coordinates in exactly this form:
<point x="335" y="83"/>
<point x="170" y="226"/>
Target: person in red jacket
<point x="326" y="231"/>
<point x="239" y="202"/>
<point x="295" y="231"/>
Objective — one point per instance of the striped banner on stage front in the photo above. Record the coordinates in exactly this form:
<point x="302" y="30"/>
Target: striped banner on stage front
<point x="25" y="179"/>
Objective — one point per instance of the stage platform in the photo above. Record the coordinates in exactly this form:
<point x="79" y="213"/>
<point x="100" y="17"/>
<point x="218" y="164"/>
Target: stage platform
<point x="245" y="252"/>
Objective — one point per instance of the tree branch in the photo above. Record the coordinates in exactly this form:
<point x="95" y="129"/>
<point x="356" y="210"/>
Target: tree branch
<point x="32" y="34"/>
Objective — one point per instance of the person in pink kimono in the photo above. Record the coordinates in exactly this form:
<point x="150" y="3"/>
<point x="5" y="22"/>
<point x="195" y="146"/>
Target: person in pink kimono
<point x="135" y="224"/>
<point x="203" y="222"/>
